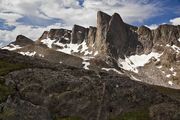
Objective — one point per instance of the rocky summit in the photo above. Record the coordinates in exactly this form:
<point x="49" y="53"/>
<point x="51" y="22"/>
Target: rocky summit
<point x="112" y="71"/>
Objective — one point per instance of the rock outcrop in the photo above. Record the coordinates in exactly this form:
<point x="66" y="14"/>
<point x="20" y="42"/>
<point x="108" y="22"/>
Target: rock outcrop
<point x="79" y="34"/>
<point x="145" y="37"/>
<point x="102" y="28"/>
<point x="91" y="36"/>
<point x="166" y="34"/>
<point x="23" y="41"/>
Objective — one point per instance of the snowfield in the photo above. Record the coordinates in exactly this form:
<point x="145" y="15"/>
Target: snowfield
<point x="133" y="62"/>
<point x="12" y="47"/>
<point x="70" y="48"/>
<point x="48" y="42"/>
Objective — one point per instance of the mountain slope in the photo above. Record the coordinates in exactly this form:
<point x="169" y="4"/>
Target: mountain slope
<point x="48" y="91"/>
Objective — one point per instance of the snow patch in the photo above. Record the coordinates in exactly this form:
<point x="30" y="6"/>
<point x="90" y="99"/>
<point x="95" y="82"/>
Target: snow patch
<point x="96" y="53"/>
<point x="134" y="78"/>
<point x="159" y="67"/>
<point x="28" y="53"/>
<point x="86" y="64"/>
<point x="171" y="69"/>
<point x="12" y="47"/>
<point x="41" y="55"/>
<point x="133" y="62"/>
<point x="179" y="39"/>
<point x="48" y="42"/>
<point x="73" y="48"/>
<point x="163" y="72"/>
<point x="168" y="76"/>
<point x="175" y="73"/>
<point x="174" y="47"/>
<point x="170" y="83"/>
<point x="113" y="69"/>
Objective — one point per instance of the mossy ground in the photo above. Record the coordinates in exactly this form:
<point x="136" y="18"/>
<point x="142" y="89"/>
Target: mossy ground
<point x="6" y="67"/>
<point x="68" y="118"/>
<point x="7" y="114"/>
<point x="5" y="91"/>
<point x="134" y="115"/>
<point x="174" y="93"/>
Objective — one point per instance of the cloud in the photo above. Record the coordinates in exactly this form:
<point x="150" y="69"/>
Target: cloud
<point x="32" y="17"/>
<point x="152" y="27"/>
<point x="175" y="21"/>
<point x="71" y="11"/>
<point x="32" y="32"/>
<point x="10" y="18"/>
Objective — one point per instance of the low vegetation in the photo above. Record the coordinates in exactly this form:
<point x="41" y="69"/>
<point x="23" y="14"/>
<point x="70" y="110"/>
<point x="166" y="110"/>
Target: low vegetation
<point x="6" y="67"/>
<point x="173" y="93"/>
<point x="134" y="115"/>
<point x="68" y="118"/>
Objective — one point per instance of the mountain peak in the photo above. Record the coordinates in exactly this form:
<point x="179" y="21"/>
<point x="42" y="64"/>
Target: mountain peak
<point x="23" y="40"/>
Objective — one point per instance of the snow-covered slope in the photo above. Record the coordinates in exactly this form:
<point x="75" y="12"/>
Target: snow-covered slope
<point x="131" y="63"/>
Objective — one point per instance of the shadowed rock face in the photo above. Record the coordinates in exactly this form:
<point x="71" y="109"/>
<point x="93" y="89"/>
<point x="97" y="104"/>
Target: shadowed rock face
<point x="61" y="35"/>
<point x="114" y="37"/>
<point x="118" y="38"/>
<point x="79" y="34"/>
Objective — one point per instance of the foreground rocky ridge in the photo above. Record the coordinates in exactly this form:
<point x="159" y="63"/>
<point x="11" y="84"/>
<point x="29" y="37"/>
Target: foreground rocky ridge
<point x="41" y="90"/>
<point x="151" y="56"/>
